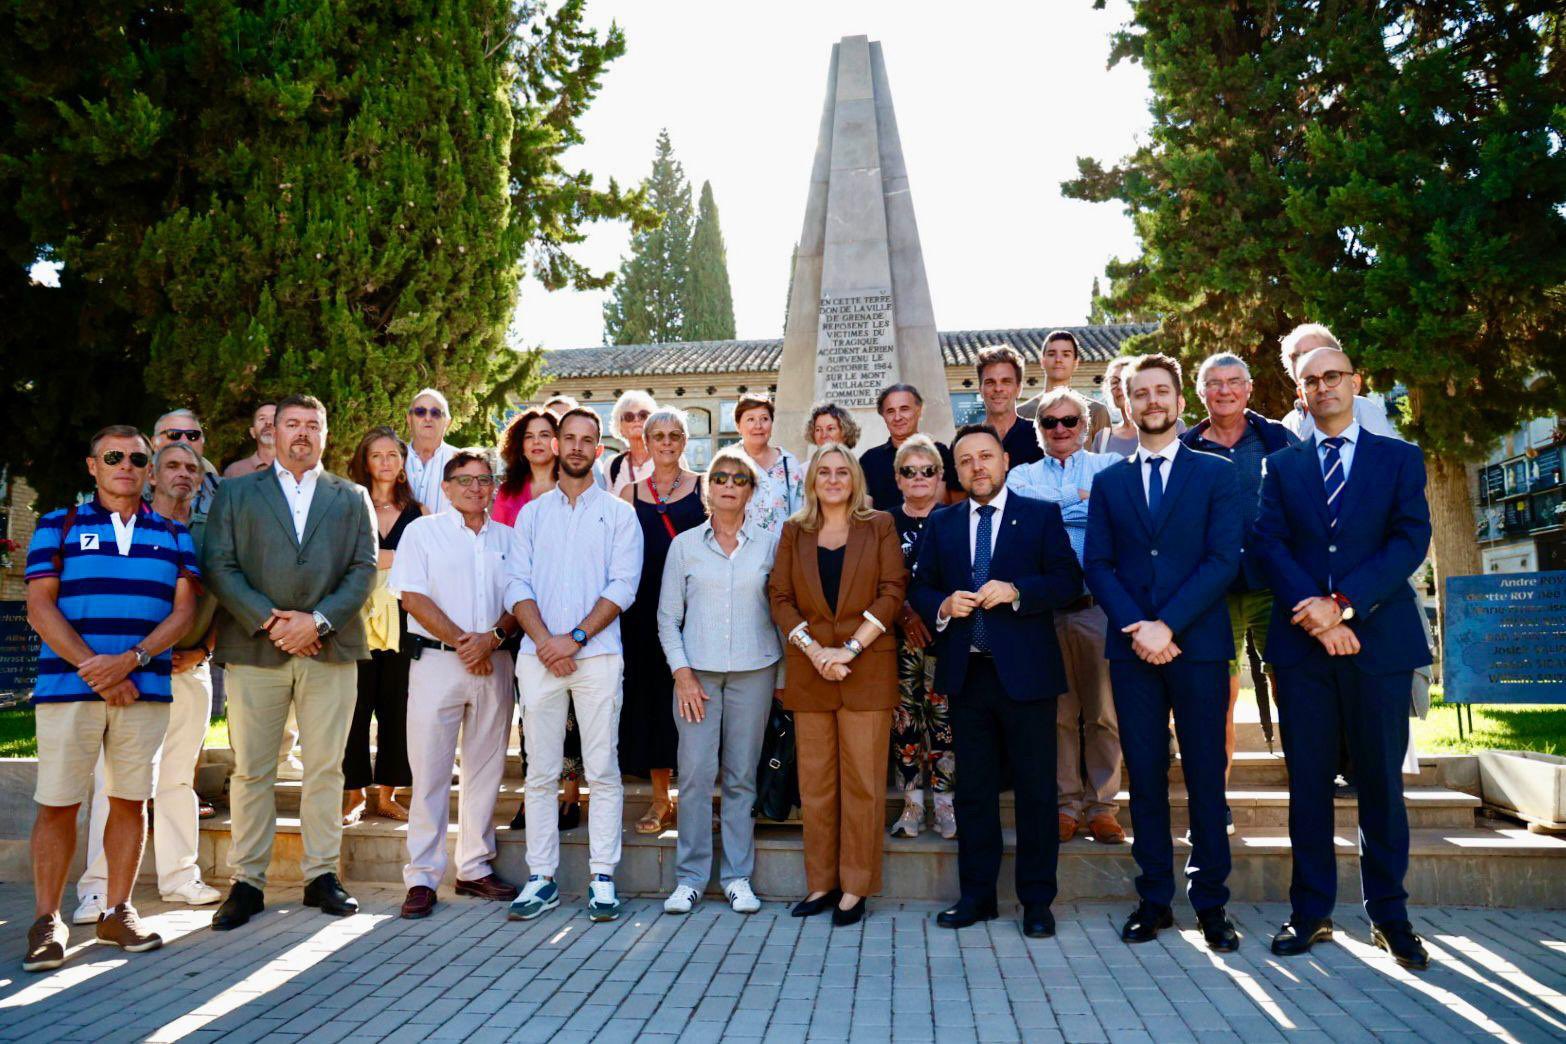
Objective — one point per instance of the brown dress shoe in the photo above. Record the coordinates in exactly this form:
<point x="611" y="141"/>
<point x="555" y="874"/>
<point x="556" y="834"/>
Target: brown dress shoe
<point x="1068" y="828"/>
<point x="46" y="941"/>
<point x="121" y="926"/>
<point x="420" y="901"/>
<point x="1106" y="830"/>
<point x="489" y="887"/>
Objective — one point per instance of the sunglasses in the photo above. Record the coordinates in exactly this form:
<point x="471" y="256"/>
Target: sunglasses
<point x="1050" y="423"/>
<point x="908" y="471"/>
<point x="427" y="411"/>
<point x="632" y="416"/>
<point x="175" y="434"/>
<point x="113" y="457"/>
<point x="723" y="478"/>
<point x="467" y="480"/>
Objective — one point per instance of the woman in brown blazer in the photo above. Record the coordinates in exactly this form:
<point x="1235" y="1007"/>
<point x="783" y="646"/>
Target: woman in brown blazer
<point x="837" y="586"/>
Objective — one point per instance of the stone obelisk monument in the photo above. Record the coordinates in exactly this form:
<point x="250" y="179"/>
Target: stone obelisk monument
<point x="859" y="317"/>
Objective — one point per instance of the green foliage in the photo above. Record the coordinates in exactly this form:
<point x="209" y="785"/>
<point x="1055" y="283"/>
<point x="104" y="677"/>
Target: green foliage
<point x="249" y="200"/>
<point x="709" y="301"/>
<point x="1101" y="308"/>
<point x="649" y="302"/>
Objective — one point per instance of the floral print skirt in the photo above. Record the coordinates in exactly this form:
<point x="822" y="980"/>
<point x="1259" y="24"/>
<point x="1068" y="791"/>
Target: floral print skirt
<point x="921" y="725"/>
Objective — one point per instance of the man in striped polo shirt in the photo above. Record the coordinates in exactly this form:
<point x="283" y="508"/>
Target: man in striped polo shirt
<point x="111" y="587"/>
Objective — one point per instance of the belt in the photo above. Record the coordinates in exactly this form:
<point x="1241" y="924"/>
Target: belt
<point x="419" y="641"/>
<point x="1084" y="602"/>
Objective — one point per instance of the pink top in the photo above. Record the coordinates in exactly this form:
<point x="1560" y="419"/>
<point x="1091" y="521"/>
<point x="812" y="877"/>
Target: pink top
<point x="508" y="506"/>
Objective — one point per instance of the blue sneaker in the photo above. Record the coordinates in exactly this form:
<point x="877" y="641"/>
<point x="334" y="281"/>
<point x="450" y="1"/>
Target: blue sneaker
<point x="602" y="903"/>
<point x="539" y="896"/>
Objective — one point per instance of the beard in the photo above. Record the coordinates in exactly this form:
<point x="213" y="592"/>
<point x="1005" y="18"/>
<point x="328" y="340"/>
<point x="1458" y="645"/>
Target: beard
<point x="575" y="472"/>
<point x="1159" y="428"/>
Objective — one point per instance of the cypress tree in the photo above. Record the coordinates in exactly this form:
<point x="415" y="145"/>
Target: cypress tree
<point x="710" y="302"/>
<point x="649" y="301"/>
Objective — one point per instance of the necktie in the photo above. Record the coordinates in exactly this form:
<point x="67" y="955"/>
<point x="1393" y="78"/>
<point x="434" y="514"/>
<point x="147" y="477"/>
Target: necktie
<point x="1332" y="478"/>
<point x="981" y="574"/>
<point x="1155" y="485"/>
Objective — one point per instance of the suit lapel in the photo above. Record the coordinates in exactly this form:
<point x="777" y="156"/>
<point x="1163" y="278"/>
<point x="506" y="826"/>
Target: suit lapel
<point x="319" y="505"/>
<point x="1133" y="484"/>
<point x="272" y="493"/>
<point x="1005" y="536"/>
<point x="805" y="550"/>
<point x="1315" y="487"/>
<point x="853" y="557"/>
<point x="1179" y="474"/>
<point x="1366" y="455"/>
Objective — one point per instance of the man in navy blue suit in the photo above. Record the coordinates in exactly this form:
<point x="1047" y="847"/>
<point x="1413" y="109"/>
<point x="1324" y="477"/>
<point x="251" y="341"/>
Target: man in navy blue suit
<point x="1165" y="528"/>
<point x="1343" y="524"/>
<point x="990" y="573"/>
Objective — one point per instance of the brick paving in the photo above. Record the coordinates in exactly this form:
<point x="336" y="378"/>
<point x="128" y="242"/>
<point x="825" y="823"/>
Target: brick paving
<point x="468" y="974"/>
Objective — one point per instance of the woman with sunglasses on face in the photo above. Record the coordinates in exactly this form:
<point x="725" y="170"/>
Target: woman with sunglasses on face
<point x="921" y="727"/>
<point x="629" y="424"/>
<point x="380" y="467"/>
<point x="528" y="454"/>
<point x="716" y="628"/>
<point x="668" y="502"/>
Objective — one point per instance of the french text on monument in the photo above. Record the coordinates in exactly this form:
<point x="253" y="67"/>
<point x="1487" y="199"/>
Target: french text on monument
<point x="856" y="350"/>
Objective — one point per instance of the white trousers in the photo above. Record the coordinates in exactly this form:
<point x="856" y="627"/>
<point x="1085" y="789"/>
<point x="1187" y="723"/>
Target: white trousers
<point x="594" y="689"/>
<point x="176" y="819"/>
<point x="443" y="701"/>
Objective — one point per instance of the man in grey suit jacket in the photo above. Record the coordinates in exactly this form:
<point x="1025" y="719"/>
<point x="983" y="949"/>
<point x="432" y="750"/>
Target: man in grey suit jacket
<point x="290" y="553"/>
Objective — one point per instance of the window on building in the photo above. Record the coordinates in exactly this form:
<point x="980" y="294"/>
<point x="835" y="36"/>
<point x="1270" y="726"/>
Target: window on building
<point x="1546" y="507"/>
<point x="699" y="447"/>
<point x="1517" y="476"/>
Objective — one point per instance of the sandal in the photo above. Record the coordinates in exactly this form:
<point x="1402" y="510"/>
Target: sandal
<point x="388" y="808"/>
<point x="354" y="813"/>
<point x="654" y="822"/>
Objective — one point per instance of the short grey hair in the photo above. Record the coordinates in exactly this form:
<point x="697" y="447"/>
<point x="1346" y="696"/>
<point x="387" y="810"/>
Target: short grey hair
<point x="437" y="395"/>
<point x="732" y="454"/>
<point x="1054" y="397"/>
<point x="634" y="397"/>
<point x="919" y="444"/>
<point x="667" y="415"/>
<point x="1212" y="362"/>
<point x="178" y="446"/>
<point x="1289" y="346"/>
<point x="181" y="412"/>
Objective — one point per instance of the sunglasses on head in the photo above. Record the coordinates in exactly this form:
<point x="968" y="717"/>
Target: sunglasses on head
<point x="467" y="480"/>
<point x="427" y="411"/>
<point x="1049" y="423"/>
<point x="113" y="457"/>
<point x="175" y="434"/>
<point x="908" y="471"/>
<point x="723" y="478"/>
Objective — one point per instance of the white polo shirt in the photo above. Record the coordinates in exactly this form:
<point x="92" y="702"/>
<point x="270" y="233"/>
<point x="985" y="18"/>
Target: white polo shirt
<point x="462" y="572"/>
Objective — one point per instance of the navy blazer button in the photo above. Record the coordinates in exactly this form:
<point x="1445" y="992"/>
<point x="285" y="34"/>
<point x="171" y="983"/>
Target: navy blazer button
<point x="1332" y="547"/>
<point x="1154" y="552"/>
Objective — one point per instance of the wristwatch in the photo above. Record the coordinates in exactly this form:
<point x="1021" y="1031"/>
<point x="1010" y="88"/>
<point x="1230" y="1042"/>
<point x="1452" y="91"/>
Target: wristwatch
<point x="802" y="640"/>
<point x="500" y="635"/>
<point x="142" y="656"/>
<point x="578" y="636"/>
<point x="853" y="646"/>
<point x="1344" y="606"/>
<point x="323" y="626"/>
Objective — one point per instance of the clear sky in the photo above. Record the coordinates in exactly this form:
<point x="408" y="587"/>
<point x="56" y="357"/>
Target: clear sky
<point x="995" y="101"/>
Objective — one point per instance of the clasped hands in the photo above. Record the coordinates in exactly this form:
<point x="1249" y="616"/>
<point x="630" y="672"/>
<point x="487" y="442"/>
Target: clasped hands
<point x="109" y="676"/>
<point x="474" y="648"/>
<point x="558" y="654"/>
<point x="293" y="632"/>
<point x="1152" y="641"/>
<point x="1322" y="618"/>
<point x="994" y="593"/>
<point x="831" y="664"/>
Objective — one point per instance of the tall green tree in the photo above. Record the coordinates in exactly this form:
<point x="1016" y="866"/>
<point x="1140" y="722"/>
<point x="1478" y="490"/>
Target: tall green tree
<point x="649" y="303"/>
<point x="709" y="300"/>
<point x="247" y="200"/>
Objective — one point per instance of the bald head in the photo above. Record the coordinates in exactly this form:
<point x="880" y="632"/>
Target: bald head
<point x="1327" y="385"/>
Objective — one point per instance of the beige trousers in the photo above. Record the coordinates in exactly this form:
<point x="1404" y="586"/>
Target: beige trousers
<point x="1087" y="784"/>
<point x="322" y="696"/>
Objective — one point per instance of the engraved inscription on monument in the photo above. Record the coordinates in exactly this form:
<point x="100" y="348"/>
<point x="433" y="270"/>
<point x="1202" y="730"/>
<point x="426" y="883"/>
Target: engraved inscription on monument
<point x="1506" y="638"/>
<point x="856" y="352"/>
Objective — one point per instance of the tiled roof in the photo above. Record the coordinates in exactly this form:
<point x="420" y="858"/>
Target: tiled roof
<point x="1099" y="343"/>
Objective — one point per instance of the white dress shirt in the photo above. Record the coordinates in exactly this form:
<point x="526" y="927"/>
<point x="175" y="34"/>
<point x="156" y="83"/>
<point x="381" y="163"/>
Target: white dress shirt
<point x="426" y="476"/>
<point x="566" y="558"/>
<point x="1143" y="455"/>
<point x="462" y="572"/>
<point x="999" y="504"/>
<point x="298" y="494"/>
<point x="1350" y="435"/>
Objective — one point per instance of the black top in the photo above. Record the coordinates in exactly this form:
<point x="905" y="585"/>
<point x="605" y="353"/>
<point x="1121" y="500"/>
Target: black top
<point x="1022" y="444"/>
<point x="390" y="540"/>
<point x="910" y="531"/>
<point x="831" y="565"/>
<point x="881" y="475"/>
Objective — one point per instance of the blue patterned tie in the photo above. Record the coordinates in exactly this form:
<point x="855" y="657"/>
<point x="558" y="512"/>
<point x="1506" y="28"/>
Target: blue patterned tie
<point x="981" y="574"/>
<point x="1332" y="478"/>
<point x="1155" y="485"/>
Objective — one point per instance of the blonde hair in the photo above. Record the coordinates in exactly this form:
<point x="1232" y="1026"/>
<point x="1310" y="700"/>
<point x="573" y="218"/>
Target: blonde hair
<point x="808" y="517"/>
<point x="916" y="444"/>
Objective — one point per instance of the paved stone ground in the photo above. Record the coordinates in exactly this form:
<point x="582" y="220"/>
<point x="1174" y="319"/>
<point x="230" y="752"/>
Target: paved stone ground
<point x="468" y="974"/>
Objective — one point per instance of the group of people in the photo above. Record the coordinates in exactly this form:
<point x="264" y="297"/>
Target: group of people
<point x="1012" y="610"/>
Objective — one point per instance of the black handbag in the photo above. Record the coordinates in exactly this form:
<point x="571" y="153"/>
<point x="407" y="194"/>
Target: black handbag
<point x="777" y="776"/>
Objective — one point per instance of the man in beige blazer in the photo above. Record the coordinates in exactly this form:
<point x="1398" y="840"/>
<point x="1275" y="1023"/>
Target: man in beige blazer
<point x="290" y="553"/>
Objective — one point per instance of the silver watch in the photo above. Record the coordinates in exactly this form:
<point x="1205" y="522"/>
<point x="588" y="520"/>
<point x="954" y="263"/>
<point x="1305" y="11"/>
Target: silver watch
<point x="323" y="626"/>
<point x="802" y="640"/>
<point x="853" y="646"/>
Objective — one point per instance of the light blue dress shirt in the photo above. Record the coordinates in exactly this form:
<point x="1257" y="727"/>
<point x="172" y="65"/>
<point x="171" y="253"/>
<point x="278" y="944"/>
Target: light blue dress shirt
<point x="1345" y="453"/>
<point x="713" y="610"/>
<point x="1059" y="482"/>
<point x="565" y="558"/>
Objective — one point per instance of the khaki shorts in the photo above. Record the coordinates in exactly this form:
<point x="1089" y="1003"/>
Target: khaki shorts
<point x="1249" y="611"/>
<point x="70" y="735"/>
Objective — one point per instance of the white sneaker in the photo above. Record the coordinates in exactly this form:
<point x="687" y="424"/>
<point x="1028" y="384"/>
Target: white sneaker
<point x="602" y="902"/>
<point x="681" y="900"/>
<point x="290" y="769"/>
<point x="92" y="908"/>
<point x="194" y="892"/>
<point x="741" y="898"/>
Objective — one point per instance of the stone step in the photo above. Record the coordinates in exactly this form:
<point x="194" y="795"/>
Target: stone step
<point x="1478" y="865"/>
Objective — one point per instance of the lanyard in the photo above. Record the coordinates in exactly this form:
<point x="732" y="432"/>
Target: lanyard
<point x="663" y="509"/>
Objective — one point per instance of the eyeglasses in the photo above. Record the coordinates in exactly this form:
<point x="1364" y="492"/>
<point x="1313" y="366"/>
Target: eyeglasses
<point x="667" y="436"/>
<point x="467" y="480"/>
<point x="908" y="471"/>
<point x="1050" y="423"/>
<point x="175" y="434"/>
<point x="723" y="478"/>
<point x="113" y="457"/>
<point x="1328" y="379"/>
<point x="1233" y="384"/>
<point x="632" y="416"/>
<point x="427" y="411"/>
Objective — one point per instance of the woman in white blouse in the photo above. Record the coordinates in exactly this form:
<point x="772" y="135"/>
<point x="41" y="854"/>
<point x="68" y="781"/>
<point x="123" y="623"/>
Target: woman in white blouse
<point x="781" y="491"/>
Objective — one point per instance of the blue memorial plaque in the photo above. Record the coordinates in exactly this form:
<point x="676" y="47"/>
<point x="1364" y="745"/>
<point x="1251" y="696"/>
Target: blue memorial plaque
<point x="18" y="649"/>
<point x="1505" y="638"/>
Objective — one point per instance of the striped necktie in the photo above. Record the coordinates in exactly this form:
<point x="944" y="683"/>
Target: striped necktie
<point x="1332" y="478"/>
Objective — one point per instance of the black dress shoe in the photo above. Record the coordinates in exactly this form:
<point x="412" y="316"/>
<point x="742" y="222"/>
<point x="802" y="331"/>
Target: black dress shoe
<point x="519" y="821"/>
<point x="1298" y="934"/>
<point x="244" y="902"/>
<point x="967" y="911"/>
<point x="842" y="918"/>
<point x="1218" y="930"/>
<point x="328" y="893"/>
<point x="570" y="815"/>
<point x="1145" y="923"/>
<point x="1038" y="922"/>
<point x="811" y="907"/>
<point x="1398" y="939"/>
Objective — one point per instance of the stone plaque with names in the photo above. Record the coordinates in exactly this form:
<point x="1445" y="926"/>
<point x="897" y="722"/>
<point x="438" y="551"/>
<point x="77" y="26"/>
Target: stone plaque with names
<point x="856" y="351"/>
<point x="1505" y="638"/>
<point x="18" y="649"/>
